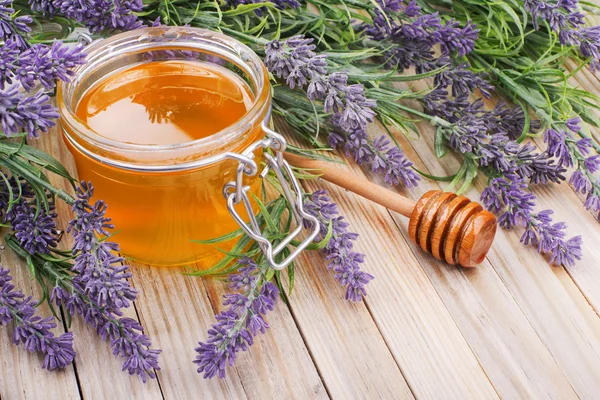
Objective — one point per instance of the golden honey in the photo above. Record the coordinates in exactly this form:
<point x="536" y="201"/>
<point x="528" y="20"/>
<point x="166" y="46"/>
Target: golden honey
<point x="146" y="131"/>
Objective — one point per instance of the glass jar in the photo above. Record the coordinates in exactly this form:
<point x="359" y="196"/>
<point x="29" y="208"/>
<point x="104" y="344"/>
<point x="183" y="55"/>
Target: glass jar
<point x="165" y="198"/>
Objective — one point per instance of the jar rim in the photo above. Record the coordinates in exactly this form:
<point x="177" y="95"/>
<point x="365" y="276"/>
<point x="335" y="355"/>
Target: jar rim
<point x="166" y="38"/>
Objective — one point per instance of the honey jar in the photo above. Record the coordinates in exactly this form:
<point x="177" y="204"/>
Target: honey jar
<point x="170" y="124"/>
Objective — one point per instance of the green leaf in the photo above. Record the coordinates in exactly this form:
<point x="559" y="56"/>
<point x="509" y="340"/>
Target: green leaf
<point x="447" y="178"/>
<point x="439" y="145"/>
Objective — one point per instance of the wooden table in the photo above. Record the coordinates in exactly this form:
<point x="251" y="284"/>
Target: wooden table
<point x="514" y="327"/>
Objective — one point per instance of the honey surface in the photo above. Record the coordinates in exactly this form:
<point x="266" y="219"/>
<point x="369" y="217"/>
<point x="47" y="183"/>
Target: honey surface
<point x="165" y="102"/>
<point x="159" y="215"/>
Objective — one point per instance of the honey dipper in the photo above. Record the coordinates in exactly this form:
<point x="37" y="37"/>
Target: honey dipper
<point x="450" y="227"/>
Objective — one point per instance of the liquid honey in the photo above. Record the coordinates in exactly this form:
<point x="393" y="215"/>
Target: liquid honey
<point x="158" y="216"/>
<point x="165" y="102"/>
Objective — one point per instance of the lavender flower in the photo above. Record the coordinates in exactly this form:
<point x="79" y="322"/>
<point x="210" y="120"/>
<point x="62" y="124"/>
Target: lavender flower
<point x="125" y="334"/>
<point x="31" y="330"/>
<point x="408" y="36"/>
<point x="46" y="64"/>
<point x="9" y="52"/>
<point x="507" y="197"/>
<point x="384" y="158"/>
<point x="102" y="15"/>
<point x="564" y="18"/>
<point x="34" y="229"/>
<point x="13" y="28"/>
<point x="19" y="112"/>
<point x="100" y="290"/>
<point x="344" y="261"/>
<point x="296" y="62"/>
<point x="100" y="274"/>
<point x="240" y="322"/>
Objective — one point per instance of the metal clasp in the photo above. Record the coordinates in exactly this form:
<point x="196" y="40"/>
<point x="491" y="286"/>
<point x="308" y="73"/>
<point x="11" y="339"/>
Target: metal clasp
<point x="236" y="192"/>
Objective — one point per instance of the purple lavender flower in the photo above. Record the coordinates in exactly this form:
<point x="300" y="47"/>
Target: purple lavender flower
<point x="45" y="7"/>
<point x="100" y="274"/>
<point x="31" y="330"/>
<point x="34" y="229"/>
<point x="296" y="62"/>
<point x="390" y="161"/>
<point x="564" y="17"/>
<point x="589" y="45"/>
<point x="125" y="334"/>
<point x="408" y="36"/>
<point x="102" y="15"/>
<point x="344" y="261"/>
<point x="19" y="112"/>
<point x="13" y="28"/>
<point x="558" y="147"/>
<point x="46" y="64"/>
<point x="9" y="52"/>
<point x="456" y="39"/>
<point x="508" y="197"/>
<point x="240" y="322"/>
<point x="100" y="289"/>
<point x="462" y="80"/>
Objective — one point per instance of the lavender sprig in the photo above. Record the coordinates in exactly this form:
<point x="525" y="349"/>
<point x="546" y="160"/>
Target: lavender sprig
<point x="409" y="36"/>
<point x="97" y="15"/>
<point x="296" y="62"/>
<point x="565" y="18"/>
<point x="35" y="229"/>
<point x="100" y="289"/>
<point x="508" y="197"/>
<point x="351" y="111"/>
<point x="240" y="322"/>
<point x="19" y="112"/>
<point x="95" y="286"/>
<point x="31" y="330"/>
<point x="100" y="274"/>
<point x="344" y="261"/>
<point x="573" y="151"/>
<point x="125" y="334"/>
<point x="13" y="28"/>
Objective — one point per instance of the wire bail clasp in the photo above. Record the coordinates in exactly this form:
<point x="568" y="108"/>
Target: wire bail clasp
<point x="236" y="192"/>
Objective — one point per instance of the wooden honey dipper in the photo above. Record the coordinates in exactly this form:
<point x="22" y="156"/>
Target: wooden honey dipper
<point x="452" y="228"/>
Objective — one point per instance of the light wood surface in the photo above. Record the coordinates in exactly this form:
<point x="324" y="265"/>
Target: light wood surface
<point x="512" y="328"/>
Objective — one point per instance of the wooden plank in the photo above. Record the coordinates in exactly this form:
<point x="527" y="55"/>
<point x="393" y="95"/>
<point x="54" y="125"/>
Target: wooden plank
<point x="426" y="343"/>
<point x="21" y="373"/>
<point x="177" y="311"/>
<point x="90" y="348"/>
<point x="346" y="346"/>
<point x="555" y="316"/>
<point x="414" y="322"/>
<point x="279" y="364"/>
<point x="506" y="346"/>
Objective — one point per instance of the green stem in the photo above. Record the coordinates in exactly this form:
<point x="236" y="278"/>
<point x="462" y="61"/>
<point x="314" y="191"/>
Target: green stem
<point x="433" y="120"/>
<point x="15" y="166"/>
<point x="252" y="39"/>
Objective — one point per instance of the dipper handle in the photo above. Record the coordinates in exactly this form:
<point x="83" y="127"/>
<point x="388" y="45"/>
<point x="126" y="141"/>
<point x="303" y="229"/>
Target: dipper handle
<point x="452" y="228"/>
<point x="361" y="186"/>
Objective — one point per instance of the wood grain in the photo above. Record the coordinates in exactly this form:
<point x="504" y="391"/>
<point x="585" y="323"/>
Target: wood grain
<point x="514" y="327"/>
<point x="21" y="373"/>
<point x="540" y="296"/>
<point x="405" y="307"/>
